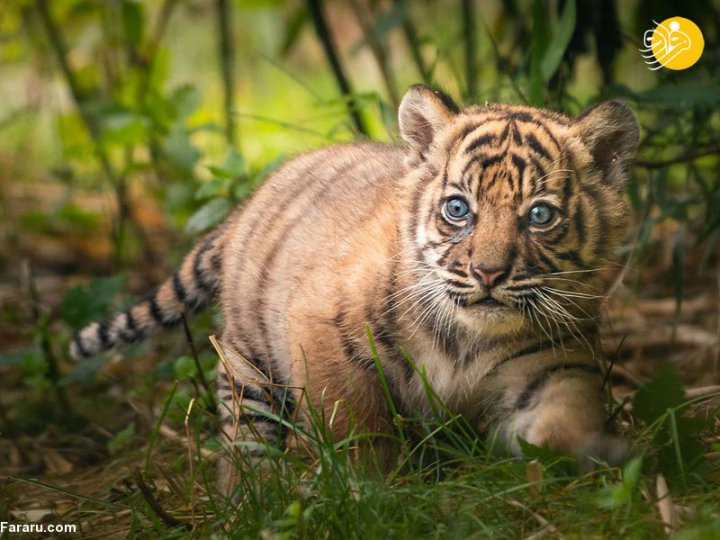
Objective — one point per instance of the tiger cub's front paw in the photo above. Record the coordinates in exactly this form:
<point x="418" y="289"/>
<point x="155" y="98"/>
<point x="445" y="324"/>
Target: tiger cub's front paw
<point x="602" y="447"/>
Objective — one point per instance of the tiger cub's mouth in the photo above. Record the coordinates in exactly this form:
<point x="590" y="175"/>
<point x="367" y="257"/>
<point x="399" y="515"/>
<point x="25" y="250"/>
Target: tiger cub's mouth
<point x="489" y="302"/>
<point x="482" y="300"/>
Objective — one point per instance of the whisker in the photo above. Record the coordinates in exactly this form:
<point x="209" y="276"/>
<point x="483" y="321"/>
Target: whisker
<point x="549" y="176"/>
<point x="569" y="321"/>
<point x="585" y="271"/>
<point x="572" y="294"/>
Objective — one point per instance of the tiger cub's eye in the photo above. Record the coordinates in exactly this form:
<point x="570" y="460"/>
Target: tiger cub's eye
<point x="456" y="208"/>
<point x="541" y="214"/>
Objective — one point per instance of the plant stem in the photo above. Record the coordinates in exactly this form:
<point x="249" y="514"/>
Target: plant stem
<point x="323" y="33"/>
<point x="146" y="65"/>
<point x="118" y="182"/>
<point x="380" y="53"/>
<point x="470" y="42"/>
<point x="42" y="329"/>
<point x="226" y="55"/>
<point x="153" y="503"/>
<point x="209" y="396"/>
<point x="682" y="158"/>
<point x="411" y="36"/>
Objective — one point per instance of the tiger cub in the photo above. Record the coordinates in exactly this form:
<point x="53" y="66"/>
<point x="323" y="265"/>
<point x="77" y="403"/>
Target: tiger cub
<point x="475" y="248"/>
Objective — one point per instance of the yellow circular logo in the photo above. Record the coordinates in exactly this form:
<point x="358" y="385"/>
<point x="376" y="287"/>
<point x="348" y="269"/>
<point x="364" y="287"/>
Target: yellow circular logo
<point x="675" y="43"/>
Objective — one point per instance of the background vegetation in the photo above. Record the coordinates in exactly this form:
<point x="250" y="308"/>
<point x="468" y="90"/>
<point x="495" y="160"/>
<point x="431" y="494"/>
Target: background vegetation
<point x="129" y="127"/>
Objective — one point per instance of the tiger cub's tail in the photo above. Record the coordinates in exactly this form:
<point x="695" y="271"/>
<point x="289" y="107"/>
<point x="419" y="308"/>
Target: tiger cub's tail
<point x="189" y="289"/>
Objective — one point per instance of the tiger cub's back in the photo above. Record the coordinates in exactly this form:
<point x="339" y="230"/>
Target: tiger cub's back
<point x="291" y="238"/>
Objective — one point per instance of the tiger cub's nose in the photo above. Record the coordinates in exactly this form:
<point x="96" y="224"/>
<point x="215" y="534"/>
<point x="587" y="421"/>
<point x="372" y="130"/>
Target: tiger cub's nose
<point x="487" y="275"/>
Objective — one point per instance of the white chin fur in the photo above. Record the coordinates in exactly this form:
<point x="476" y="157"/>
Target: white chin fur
<point x="491" y="322"/>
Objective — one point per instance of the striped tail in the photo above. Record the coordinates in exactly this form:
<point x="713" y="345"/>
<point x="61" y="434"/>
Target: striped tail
<point x="188" y="290"/>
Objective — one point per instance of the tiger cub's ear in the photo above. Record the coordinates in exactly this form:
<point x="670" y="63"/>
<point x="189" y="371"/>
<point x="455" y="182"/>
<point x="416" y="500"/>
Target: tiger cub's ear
<point x="610" y="132"/>
<point x="423" y="112"/>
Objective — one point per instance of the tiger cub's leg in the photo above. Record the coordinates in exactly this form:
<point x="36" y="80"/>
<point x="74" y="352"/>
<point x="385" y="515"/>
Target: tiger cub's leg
<point x="343" y="387"/>
<point x="250" y="405"/>
<point x="559" y="403"/>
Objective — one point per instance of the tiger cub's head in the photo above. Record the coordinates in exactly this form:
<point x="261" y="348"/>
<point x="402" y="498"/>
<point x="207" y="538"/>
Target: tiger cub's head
<point x="513" y="212"/>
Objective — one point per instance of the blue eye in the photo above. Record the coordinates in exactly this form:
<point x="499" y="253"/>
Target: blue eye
<point x="541" y="214"/>
<point x="456" y="208"/>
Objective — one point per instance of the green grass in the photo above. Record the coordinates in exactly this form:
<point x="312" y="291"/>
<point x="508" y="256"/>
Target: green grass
<point x="444" y="482"/>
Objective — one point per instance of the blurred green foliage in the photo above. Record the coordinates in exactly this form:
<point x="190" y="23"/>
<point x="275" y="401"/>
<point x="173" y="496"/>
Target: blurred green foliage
<point x="156" y="93"/>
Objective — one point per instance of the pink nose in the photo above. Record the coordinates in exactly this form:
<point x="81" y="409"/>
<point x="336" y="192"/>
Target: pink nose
<point x="487" y="275"/>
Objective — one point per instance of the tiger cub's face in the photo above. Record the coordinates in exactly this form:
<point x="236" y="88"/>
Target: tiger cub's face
<point x="516" y="211"/>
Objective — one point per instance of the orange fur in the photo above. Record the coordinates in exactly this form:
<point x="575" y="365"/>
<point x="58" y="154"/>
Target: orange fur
<point x="497" y="305"/>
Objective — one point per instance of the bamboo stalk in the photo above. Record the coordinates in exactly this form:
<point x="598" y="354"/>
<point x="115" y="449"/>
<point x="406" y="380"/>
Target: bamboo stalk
<point x="323" y="32"/>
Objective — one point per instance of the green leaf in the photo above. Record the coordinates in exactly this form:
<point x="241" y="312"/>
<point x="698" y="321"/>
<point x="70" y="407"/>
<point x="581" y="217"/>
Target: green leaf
<point x="293" y="28"/>
<point x="78" y="219"/>
<point x="179" y="150"/>
<point x="388" y="20"/>
<point x="122" y="439"/>
<point x="186" y="99"/>
<point x="232" y="167"/>
<point x="706" y="531"/>
<point x="539" y="41"/>
<point x="133" y="22"/>
<point x="663" y="392"/>
<point x="680" y="448"/>
<point x="124" y="128"/>
<point x="208" y="215"/>
<point x="681" y="96"/>
<point x="533" y="451"/>
<point x="16" y="358"/>
<point x="619" y="494"/>
<point x="557" y="47"/>
<point x="220" y="172"/>
<point x="178" y="403"/>
<point x="160" y="68"/>
<point x="88" y="79"/>
<point x="33" y="362"/>
<point x="184" y="368"/>
<point x="84" y="373"/>
<point x="84" y="304"/>
<point x="82" y="7"/>
<point x="214" y="187"/>
<point x="262" y="4"/>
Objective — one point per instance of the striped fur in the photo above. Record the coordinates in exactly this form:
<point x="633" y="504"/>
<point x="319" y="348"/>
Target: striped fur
<point x="499" y="311"/>
<point x="189" y="289"/>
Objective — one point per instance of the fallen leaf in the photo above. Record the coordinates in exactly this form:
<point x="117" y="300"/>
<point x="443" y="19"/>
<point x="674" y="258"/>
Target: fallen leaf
<point x="56" y="464"/>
